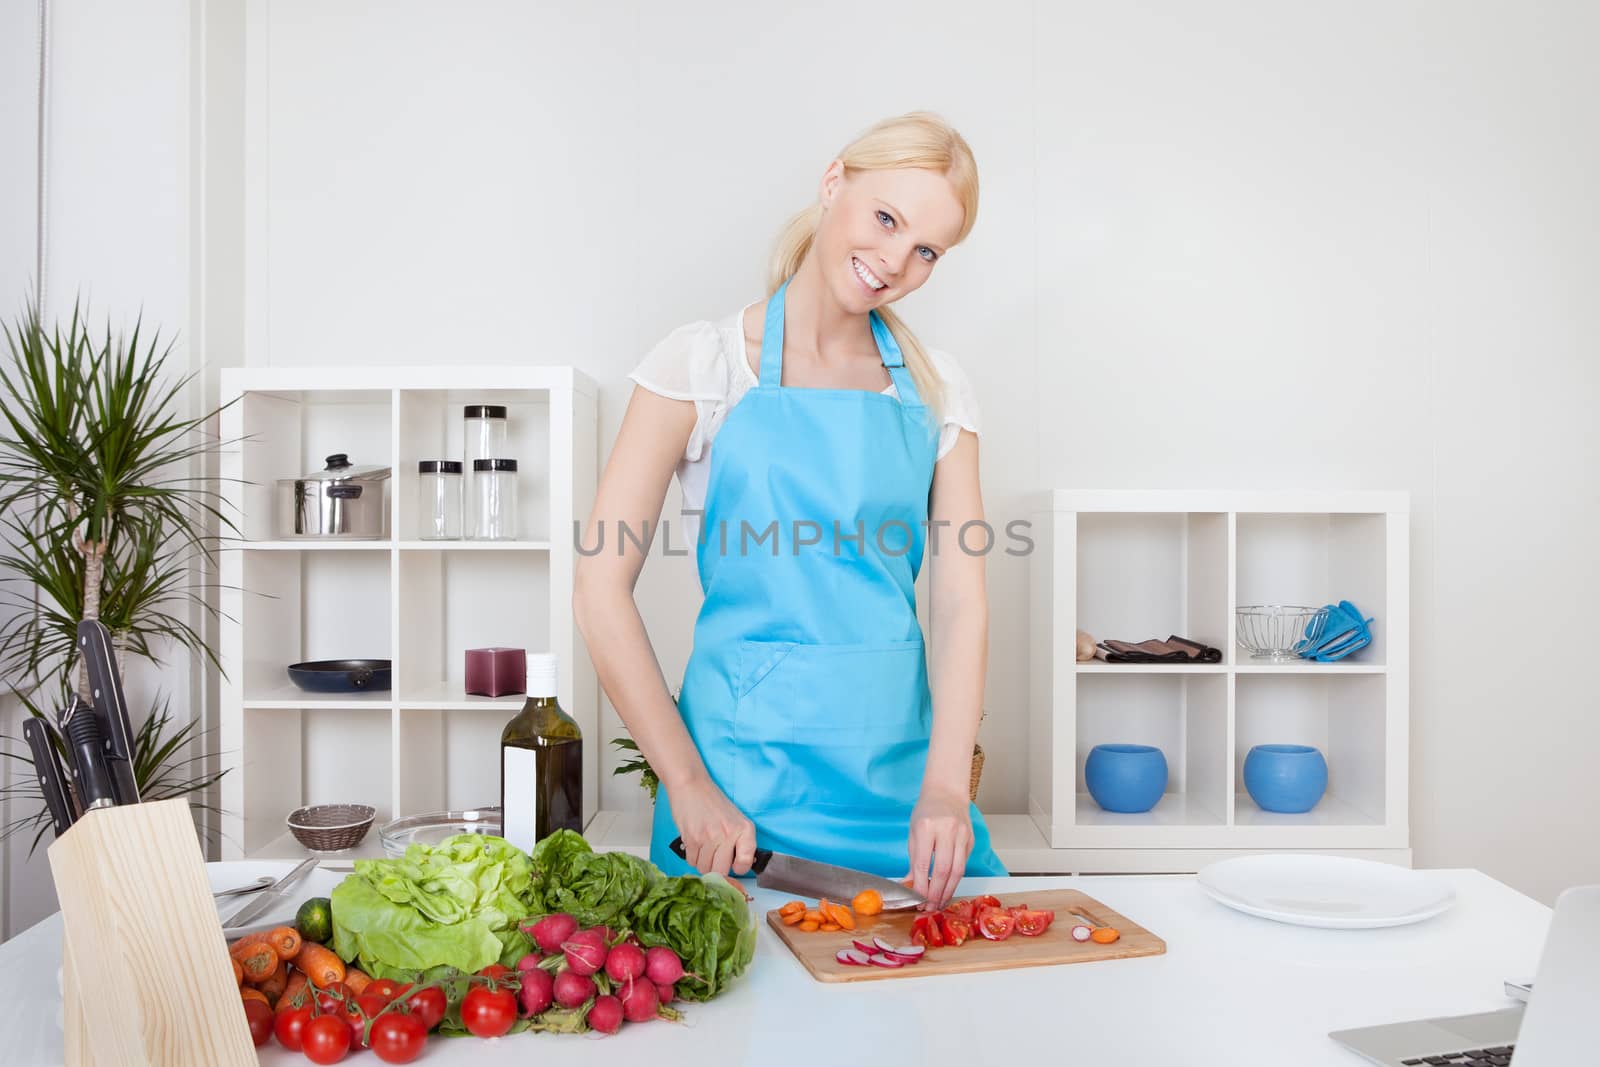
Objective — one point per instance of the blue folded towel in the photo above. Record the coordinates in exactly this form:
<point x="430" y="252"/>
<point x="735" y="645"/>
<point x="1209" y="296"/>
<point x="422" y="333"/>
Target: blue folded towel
<point x="1343" y="631"/>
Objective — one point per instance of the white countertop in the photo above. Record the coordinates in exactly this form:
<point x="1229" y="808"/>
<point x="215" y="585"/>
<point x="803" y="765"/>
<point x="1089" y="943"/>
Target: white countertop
<point x="1231" y="990"/>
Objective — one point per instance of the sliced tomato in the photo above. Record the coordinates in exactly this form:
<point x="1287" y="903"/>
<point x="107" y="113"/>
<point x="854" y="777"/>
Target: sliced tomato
<point x="956" y="929"/>
<point x="925" y="930"/>
<point x="985" y="901"/>
<point x="996" y="924"/>
<point x="1032" y="923"/>
<point x="964" y="910"/>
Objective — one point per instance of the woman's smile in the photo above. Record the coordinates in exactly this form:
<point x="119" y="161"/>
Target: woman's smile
<point x="869" y="281"/>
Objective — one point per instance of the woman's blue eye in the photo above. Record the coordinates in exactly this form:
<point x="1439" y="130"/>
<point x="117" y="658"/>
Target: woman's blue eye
<point x="927" y="253"/>
<point x="886" y="218"/>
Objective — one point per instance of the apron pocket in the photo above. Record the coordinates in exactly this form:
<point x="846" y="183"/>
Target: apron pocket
<point x="842" y="725"/>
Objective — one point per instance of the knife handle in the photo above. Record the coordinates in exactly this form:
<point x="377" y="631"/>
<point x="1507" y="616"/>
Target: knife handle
<point x="86" y="743"/>
<point x="48" y="771"/>
<point x="757" y="865"/>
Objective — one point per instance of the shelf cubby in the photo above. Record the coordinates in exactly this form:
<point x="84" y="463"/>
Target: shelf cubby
<point x="1153" y="574"/>
<point x="310" y="605"/>
<point x="450" y="757"/>
<point x="1316" y="559"/>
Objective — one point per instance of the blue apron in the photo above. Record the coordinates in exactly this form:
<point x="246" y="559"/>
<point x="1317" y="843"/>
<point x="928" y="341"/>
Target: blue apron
<point x="807" y="690"/>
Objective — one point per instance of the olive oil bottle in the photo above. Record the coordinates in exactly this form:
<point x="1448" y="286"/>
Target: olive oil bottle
<point x="541" y="763"/>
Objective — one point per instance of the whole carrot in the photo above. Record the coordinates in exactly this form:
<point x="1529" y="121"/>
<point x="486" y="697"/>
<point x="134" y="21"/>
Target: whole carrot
<point x="321" y="965"/>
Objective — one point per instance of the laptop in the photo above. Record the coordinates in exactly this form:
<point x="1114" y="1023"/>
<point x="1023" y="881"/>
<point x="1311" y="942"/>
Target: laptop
<point x="1555" y="1029"/>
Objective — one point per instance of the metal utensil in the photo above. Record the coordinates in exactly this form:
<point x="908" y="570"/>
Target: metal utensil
<point x="270" y="897"/>
<point x="237" y="891"/>
<point x="792" y="874"/>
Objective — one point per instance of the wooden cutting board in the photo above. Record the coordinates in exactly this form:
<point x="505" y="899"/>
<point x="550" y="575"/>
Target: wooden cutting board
<point x="816" y="950"/>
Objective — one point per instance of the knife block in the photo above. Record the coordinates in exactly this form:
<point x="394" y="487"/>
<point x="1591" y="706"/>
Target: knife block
<point x="146" y="978"/>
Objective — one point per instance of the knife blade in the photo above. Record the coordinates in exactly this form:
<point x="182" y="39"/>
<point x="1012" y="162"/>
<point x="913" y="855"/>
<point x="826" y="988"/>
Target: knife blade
<point x="794" y="874"/>
<point x="270" y="897"/>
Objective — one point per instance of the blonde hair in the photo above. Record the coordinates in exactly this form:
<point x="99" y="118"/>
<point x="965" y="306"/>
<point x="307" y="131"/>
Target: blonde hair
<point x="918" y="139"/>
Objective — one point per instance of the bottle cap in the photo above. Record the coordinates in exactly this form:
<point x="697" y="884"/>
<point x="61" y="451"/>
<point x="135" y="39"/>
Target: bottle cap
<point x="541" y="674"/>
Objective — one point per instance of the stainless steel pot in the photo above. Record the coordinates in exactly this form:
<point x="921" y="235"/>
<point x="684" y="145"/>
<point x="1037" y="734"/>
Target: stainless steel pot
<point x="340" y="501"/>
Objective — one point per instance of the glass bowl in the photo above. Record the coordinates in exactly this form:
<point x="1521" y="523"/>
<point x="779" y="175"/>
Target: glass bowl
<point x="435" y="826"/>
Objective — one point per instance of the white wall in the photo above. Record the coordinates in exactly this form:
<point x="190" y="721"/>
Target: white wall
<point x="1238" y="244"/>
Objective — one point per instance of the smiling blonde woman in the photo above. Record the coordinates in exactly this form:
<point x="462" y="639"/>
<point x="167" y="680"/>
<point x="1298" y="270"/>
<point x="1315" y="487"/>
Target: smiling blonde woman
<point x="808" y="720"/>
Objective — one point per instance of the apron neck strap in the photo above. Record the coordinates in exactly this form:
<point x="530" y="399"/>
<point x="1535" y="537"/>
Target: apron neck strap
<point x="888" y="350"/>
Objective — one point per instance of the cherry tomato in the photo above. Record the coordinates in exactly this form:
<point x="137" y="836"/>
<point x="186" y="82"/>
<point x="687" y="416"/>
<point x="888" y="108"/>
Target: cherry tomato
<point x="428" y="1005"/>
<point x="995" y="924"/>
<point x="495" y="970"/>
<point x="358" y="1013"/>
<point x="330" y="1001"/>
<point x="397" y="1037"/>
<point x="1031" y="923"/>
<point x="259" y="1016"/>
<point x="387" y="988"/>
<point x="326" y="1039"/>
<point x="290" y="1024"/>
<point x="488" y="1013"/>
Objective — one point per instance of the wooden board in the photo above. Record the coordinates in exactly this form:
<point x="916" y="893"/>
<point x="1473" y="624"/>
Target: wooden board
<point x="816" y="950"/>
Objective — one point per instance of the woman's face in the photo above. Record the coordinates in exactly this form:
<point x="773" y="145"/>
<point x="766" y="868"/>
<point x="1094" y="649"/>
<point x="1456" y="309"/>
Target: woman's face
<point x="882" y="231"/>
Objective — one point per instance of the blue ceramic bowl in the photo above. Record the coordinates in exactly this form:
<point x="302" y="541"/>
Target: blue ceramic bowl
<point x="1285" y="778"/>
<point x="1125" y="778"/>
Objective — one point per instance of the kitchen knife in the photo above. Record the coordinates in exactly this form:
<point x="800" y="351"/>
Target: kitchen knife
<point x="52" y="781"/>
<point x="270" y="897"/>
<point x="105" y="682"/>
<point x="792" y="874"/>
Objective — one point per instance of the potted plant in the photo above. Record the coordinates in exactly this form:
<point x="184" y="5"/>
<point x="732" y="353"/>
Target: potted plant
<point x="99" y="520"/>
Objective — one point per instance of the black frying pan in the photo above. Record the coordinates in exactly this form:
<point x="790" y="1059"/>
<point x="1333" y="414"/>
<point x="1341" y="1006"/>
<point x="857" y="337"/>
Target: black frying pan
<point x="341" y="675"/>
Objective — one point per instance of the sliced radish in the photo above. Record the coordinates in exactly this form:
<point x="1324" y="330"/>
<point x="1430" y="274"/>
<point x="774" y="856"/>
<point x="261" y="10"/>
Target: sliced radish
<point x="899" y="958"/>
<point x="883" y="946"/>
<point x="1081" y="932"/>
<point x="865" y="946"/>
<point x="908" y="950"/>
<point x="883" y="960"/>
<point x="852" y="956"/>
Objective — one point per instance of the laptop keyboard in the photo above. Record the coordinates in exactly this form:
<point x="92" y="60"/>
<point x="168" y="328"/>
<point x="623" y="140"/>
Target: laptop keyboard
<point x="1499" y="1056"/>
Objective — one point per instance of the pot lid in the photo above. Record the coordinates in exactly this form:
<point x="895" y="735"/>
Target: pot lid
<point x="339" y="469"/>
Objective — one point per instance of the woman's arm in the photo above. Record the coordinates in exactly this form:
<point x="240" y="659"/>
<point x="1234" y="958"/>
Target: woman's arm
<point x="655" y="431"/>
<point x="941" y="825"/>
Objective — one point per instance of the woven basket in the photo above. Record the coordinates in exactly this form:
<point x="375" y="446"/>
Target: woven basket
<point x="977" y="771"/>
<point x="331" y="827"/>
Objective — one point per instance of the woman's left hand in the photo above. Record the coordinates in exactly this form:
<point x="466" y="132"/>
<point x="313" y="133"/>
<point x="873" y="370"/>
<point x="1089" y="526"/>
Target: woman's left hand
<point x="941" y="841"/>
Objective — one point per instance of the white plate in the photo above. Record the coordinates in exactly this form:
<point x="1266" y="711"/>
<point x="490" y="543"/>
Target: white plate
<point x="1327" y="891"/>
<point x="230" y="873"/>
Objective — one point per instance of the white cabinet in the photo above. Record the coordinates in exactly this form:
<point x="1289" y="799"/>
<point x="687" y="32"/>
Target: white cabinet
<point x="424" y="745"/>
<point x="1134" y="565"/>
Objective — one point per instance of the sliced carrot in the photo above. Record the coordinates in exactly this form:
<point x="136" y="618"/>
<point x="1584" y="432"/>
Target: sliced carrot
<point x="814" y="916"/>
<point x="1104" y="935"/>
<point x="829" y="927"/>
<point x="792" y="907"/>
<point x="840" y="915"/>
<point x="792" y="918"/>
<point x="810" y="925"/>
<point x="868" y="902"/>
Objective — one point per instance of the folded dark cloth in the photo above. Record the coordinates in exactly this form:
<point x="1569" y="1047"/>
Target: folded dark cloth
<point x="1174" y="649"/>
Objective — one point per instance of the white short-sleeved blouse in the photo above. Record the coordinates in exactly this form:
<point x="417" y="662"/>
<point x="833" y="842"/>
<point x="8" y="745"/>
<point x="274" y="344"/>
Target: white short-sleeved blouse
<point x="705" y="362"/>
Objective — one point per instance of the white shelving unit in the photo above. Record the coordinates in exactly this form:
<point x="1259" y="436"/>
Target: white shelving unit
<point x="425" y="745"/>
<point x="1134" y="565"/>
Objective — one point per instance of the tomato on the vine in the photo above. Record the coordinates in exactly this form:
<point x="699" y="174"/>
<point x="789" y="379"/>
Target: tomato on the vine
<point x="428" y="1004"/>
<point x="331" y="999"/>
<point x="387" y="988"/>
<point x="398" y="1037"/>
<point x="495" y="970"/>
<point x="259" y="1016"/>
<point x="290" y="1024"/>
<point x="488" y="1012"/>
<point x="326" y="1039"/>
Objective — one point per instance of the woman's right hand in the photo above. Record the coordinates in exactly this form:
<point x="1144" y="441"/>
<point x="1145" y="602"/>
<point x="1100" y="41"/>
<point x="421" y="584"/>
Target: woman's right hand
<point x="716" y="835"/>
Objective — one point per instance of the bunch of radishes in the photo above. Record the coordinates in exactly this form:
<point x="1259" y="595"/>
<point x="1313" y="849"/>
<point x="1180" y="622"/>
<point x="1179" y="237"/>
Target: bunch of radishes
<point x="879" y="953"/>
<point x="593" y="978"/>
